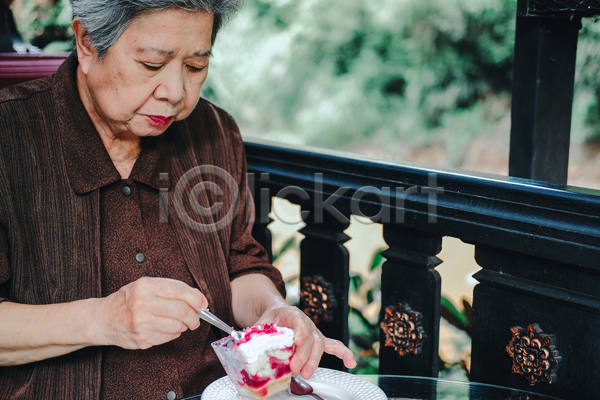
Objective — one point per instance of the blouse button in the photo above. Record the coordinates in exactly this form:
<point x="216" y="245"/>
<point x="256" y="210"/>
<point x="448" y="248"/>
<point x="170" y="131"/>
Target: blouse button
<point x="140" y="257"/>
<point x="171" y="395"/>
<point x="126" y="190"/>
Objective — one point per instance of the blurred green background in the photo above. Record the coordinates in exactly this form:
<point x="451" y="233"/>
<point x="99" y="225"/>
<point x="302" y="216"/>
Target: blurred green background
<point x="414" y="80"/>
<point x="352" y="75"/>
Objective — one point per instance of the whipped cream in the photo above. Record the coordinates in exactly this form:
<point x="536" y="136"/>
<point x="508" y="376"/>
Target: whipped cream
<point x="263" y="340"/>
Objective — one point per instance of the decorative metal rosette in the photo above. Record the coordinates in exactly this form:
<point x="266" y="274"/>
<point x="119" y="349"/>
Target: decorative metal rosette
<point x="317" y="300"/>
<point x="403" y="329"/>
<point x="534" y="354"/>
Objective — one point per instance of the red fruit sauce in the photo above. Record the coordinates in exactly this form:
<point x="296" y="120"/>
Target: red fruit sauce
<point x="254" y="381"/>
<point x="280" y="367"/>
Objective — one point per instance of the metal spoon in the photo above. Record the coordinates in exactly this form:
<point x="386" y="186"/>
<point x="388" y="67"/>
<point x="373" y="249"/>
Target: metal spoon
<point x="212" y="319"/>
<point x="301" y="388"/>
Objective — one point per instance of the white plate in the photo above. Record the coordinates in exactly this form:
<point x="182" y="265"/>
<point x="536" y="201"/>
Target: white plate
<point x="327" y="383"/>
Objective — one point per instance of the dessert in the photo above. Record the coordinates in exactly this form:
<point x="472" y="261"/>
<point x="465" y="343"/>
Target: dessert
<point x="259" y="364"/>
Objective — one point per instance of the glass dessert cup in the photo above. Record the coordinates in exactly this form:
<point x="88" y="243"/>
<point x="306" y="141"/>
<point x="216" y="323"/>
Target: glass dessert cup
<point x="259" y="364"/>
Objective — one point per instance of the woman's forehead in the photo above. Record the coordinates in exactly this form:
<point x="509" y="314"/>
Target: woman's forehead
<point x="164" y="32"/>
<point x="173" y="12"/>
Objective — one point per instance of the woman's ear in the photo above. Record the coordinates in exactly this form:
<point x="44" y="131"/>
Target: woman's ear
<point x="83" y="44"/>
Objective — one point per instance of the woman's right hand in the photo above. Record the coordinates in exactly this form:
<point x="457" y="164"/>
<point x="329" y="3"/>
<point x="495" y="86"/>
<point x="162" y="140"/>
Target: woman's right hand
<point x="148" y="312"/>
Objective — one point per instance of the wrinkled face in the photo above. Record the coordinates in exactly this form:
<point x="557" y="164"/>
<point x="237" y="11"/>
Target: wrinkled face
<point x="152" y="75"/>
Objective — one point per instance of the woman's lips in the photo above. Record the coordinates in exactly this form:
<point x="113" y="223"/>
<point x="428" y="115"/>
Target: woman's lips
<point x="159" y="120"/>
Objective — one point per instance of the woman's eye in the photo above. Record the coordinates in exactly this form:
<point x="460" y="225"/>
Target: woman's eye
<point x="152" y="67"/>
<point x="191" y="68"/>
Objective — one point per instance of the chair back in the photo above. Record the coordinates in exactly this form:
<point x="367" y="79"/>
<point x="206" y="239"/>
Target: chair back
<point x="18" y="68"/>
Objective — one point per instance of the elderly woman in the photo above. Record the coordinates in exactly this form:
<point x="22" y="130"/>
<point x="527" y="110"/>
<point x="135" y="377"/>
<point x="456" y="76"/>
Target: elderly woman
<point x="102" y="264"/>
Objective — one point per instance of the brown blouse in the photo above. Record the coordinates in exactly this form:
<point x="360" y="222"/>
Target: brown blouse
<point x="71" y="228"/>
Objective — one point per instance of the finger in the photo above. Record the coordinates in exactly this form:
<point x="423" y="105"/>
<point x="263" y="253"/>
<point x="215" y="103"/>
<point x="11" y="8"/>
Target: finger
<point x="181" y="312"/>
<point x="144" y="304"/>
<point x="173" y="289"/>
<point x="154" y="319"/>
<point x="175" y="310"/>
<point x="147" y="332"/>
<point x="165" y="326"/>
<point x="302" y="327"/>
<point x="315" y="357"/>
<point x="293" y="318"/>
<point x="302" y="352"/>
<point x="337" y="348"/>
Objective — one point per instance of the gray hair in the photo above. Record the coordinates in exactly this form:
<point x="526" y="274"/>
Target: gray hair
<point x="105" y="20"/>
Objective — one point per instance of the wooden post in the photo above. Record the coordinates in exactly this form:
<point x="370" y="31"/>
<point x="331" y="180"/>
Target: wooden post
<point x="542" y="97"/>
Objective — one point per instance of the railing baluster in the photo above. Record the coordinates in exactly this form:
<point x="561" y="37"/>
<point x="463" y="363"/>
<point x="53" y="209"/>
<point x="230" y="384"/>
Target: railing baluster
<point x="409" y="278"/>
<point x="262" y="207"/>
<point x="325" y="278"/>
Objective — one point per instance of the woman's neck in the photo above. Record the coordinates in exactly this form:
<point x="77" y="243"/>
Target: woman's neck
<point x="123" y="152"/>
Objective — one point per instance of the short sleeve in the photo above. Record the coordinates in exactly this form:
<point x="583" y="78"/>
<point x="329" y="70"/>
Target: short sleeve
<point x="246" y="255"/>
<point x="4" y="263"/>
<point x="5" y="273"/>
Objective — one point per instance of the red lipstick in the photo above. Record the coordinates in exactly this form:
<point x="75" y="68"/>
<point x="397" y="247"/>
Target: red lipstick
<point x="159" y="120"/>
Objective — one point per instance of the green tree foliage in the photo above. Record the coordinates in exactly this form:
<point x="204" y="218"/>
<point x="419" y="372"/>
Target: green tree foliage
<point x="587" y="80"/>
<point x="329" y="72"/>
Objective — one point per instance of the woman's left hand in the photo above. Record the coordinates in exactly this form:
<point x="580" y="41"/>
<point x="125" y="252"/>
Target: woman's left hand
<point x="257" y="301"/>
<point x="310" y="342"/>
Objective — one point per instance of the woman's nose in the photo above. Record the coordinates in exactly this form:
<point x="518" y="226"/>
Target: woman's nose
<point x="171" y="87"/>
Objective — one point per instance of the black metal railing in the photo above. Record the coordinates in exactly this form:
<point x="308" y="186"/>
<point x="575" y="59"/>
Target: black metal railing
<point x="538" y="245"/>
<point x="580" y="8"/>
